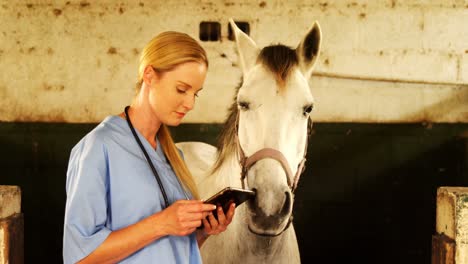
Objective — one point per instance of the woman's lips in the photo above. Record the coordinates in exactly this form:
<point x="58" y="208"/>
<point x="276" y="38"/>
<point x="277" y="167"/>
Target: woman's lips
<point x="180" y="114"/>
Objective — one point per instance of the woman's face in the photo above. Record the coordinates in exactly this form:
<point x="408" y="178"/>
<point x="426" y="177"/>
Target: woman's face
<point x="172" y="94"/>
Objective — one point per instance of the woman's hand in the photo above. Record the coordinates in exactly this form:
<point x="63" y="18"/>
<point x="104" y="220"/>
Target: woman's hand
<point x="211" y="226"/>
<point x="184" y="216"/>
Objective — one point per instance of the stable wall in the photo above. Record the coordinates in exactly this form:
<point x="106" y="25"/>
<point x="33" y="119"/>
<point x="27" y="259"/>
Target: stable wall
<point x="65" y="65"/>
<point x="381" y="61"/>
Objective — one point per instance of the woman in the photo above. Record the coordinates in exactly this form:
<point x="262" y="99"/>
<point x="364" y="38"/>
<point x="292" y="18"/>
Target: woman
<point x="130" y="197"/>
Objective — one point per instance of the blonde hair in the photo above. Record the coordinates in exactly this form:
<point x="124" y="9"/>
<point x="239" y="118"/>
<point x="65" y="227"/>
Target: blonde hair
<point x="164" y="52"/>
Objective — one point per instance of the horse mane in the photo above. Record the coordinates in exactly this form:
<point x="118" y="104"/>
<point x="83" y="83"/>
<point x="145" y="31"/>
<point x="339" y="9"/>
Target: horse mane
<point x="279" y="60"/>
<point x="226" y="140"/>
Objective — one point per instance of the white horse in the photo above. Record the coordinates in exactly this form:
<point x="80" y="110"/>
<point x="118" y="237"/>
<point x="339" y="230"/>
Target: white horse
<point x="271" y="114"/>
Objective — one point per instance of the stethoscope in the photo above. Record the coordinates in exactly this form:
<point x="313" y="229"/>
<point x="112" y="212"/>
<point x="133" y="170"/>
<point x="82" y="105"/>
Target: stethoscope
<point x="153" y="169"/>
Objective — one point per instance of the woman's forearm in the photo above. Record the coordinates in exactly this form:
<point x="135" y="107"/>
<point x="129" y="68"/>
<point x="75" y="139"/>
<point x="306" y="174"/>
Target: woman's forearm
<point x="123" y="242"/>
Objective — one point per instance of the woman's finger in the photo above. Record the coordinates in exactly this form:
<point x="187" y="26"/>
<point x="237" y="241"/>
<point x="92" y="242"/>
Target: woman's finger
<point x="221" y="216"/>
<point x="193" y="224"/>
<point x="213" y="222"/>
<point x="206" y="226"/>
<point x="230" y="213"/>
<point x="190" y="231"/>
<point x="199" y="207"/>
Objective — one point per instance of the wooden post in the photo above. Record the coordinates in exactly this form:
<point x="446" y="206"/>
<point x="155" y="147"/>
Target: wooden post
<point x="11" y="226"/>
<point x="450" y="244"/>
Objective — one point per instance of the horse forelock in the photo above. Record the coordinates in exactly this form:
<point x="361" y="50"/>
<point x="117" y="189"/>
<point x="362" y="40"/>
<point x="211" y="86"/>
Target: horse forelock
<point x="279" y="60"/>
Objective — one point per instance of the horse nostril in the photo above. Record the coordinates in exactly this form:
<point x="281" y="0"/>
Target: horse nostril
<point x="254" y="199"/>
<point x="287" y="203"/>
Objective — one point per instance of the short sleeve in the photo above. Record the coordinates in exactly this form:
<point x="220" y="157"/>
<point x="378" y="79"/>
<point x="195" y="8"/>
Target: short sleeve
<point x="86" y="206"/>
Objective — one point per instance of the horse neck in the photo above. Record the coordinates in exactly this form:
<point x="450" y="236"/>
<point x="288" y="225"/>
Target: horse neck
<point x="228" y="174"/>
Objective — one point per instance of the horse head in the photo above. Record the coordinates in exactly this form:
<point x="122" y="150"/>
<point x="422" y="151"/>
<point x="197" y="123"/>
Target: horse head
<point x="273" y="103"/>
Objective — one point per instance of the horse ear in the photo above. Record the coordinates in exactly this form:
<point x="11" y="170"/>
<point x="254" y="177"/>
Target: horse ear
<point x="246" y="47"/>
<point x="309" y="48"/>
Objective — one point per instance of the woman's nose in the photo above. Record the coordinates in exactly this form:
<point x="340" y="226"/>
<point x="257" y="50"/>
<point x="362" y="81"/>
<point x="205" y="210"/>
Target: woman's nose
<point x="189" y="102"/>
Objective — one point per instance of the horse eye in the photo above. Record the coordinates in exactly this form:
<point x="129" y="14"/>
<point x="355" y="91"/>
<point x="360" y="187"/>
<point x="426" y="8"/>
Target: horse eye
<point x="307" y="109"/>
<point x="244" y="105"/>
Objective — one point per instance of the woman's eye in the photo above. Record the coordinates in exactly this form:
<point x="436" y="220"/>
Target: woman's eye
<point x="180" y="90"/>
<point x="244" y="105"/>
<point x="307" y="109"/>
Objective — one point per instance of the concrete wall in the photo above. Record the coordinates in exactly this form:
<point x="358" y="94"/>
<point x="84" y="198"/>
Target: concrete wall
<point x="381" y="61"/>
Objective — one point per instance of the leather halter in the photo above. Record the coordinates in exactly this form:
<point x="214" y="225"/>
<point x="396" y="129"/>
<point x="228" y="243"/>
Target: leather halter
<point x="247" y="162"/>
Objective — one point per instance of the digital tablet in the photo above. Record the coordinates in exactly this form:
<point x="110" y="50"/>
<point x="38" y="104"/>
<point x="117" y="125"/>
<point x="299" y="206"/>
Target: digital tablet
<point x="227" y="195"/>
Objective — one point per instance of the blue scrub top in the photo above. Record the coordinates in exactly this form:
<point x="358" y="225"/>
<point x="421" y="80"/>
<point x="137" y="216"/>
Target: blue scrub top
<point x="110" y="186"/>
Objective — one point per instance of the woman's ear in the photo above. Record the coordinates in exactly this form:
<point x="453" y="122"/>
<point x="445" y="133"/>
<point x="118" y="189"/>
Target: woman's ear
<point x="149" y="74"/>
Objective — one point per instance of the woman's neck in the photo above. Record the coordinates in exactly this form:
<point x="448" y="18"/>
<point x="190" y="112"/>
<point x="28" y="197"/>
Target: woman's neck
<point x="143" y="119"/>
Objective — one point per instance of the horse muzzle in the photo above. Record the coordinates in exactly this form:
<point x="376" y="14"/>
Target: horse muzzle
<point x="267" y="219"/>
